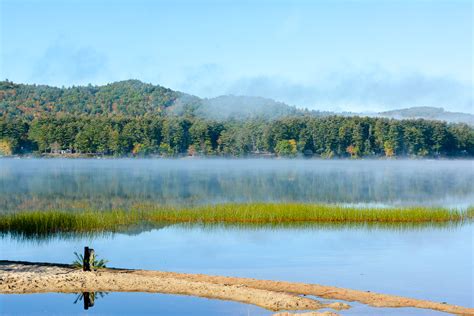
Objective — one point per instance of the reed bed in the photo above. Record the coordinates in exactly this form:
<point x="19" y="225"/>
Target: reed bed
<point x="60" y="221"/>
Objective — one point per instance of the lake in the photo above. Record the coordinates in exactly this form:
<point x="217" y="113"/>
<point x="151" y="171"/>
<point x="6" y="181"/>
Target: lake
<point x="108" y="183"/>
<point x="427" y="262"/>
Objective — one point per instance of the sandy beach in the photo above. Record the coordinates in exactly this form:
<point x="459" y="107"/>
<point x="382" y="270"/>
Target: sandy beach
<point x="26" y="277"/>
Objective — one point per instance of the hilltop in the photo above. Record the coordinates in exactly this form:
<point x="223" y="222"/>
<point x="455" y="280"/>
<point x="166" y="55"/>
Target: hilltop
<point x="136" y="98"/>
<point x="132" y="98"/>
<point x="430" y="113"/>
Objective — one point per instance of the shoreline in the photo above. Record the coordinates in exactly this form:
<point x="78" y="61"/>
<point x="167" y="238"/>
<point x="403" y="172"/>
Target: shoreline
<point x="269" y="156"/>
<point x="255" y="156"/>
<point x="19" y="277"/>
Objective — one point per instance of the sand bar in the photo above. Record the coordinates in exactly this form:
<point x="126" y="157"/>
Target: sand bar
<point x="25" y="277"/>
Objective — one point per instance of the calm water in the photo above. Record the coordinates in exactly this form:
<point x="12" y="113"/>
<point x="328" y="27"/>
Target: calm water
<point x="158" y="304"/>
<point x="431" y="263"/>
<point x="32" y="183"/>
<point x="123" y="304"/>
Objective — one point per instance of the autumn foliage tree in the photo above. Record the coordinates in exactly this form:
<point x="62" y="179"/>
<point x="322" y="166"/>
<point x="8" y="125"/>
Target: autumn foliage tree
<point x="5" y="148"/>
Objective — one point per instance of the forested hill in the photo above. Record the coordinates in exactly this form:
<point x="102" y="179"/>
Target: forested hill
<point x="233" y="107"/>
<point x="135" y="98"/>
<point x="131" y="118"/>
<point x="132" y="98"/>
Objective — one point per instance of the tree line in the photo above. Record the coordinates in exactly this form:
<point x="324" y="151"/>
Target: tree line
<point x="172" y="136"/>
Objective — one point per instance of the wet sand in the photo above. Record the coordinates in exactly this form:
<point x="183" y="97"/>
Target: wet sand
<point x="24" y="277"/>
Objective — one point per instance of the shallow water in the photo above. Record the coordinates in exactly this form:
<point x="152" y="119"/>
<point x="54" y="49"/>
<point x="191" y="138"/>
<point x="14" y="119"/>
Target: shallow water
<point x="78" y="183"/>
<point x="430" y="262"/>
<point x="158" y="304"/>
<point x="123" y="304"/>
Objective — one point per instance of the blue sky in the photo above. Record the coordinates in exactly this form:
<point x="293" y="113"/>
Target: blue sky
<point x="363" y="55"/>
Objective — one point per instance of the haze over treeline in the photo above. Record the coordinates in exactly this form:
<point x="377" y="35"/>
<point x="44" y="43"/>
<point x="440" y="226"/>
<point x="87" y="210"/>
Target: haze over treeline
<point x="133" y="118"/>
<point x="133" y="97"/>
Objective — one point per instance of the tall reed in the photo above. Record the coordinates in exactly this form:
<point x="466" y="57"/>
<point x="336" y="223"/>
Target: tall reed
<point x="56" y="221"/>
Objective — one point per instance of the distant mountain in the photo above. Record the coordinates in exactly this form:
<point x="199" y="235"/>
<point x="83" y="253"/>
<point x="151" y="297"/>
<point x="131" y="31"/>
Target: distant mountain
<point x="135" y="98"/>
<point x="230" y="106"/>
<point x="236" y="107"/>
<point x="429" y="113"/>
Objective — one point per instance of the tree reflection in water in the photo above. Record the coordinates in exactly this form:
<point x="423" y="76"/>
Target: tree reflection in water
<point x="89" y="298"/>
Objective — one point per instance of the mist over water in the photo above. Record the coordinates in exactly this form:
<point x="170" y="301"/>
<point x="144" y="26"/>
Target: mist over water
<point x="413" y="261"/>
<point x="112" y="183"/>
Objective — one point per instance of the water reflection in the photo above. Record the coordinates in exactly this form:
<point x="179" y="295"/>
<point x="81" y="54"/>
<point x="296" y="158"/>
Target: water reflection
<point x="135" y="230"/>
<point x="131" y="230"/>
<point x="427" y="263"/>
<point x="106" y="184"/>
<point x="89" y="298"/>
<point x="123" y="303"/>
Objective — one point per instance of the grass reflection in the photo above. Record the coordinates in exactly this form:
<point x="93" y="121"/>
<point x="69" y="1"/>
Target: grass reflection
<point x="90" y="223"/>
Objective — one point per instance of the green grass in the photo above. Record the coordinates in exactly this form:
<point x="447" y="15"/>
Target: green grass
<point x="59" y="221"/>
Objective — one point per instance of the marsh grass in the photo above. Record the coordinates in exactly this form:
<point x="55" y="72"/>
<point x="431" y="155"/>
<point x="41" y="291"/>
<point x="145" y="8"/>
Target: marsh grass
<point x="59" y="221"/>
